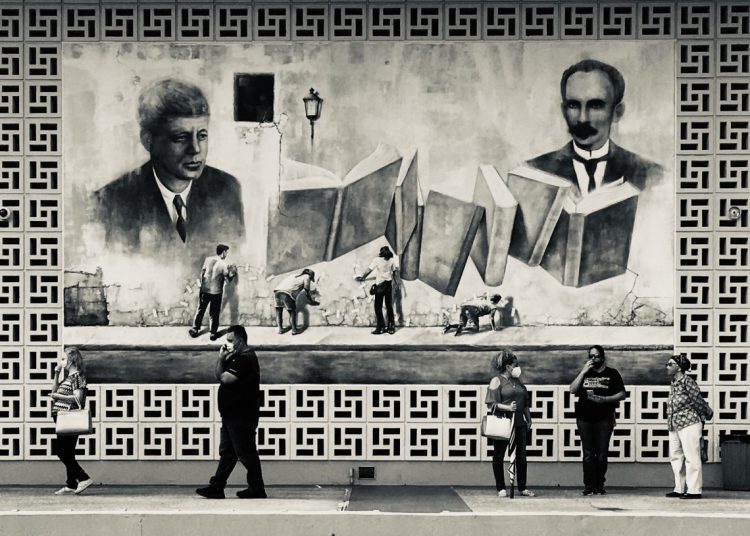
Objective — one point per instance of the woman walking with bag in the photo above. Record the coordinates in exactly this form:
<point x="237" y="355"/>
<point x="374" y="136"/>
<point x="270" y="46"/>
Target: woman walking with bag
<point x="686" y="413"/>
<point x="68" y="393"/>
<point x="506" y="393"/>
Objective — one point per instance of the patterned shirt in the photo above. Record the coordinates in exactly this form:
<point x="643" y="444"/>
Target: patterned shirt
<point x="686" y="405"/>
<point x="67" y="387"/>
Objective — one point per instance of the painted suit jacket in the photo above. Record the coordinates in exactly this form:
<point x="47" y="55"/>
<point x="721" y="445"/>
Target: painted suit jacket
<point x="135" y="218"/>
<point x="620" y="164"/>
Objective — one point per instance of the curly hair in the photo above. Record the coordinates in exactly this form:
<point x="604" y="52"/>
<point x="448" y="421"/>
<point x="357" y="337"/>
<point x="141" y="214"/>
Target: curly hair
<point x="502" y="360"/>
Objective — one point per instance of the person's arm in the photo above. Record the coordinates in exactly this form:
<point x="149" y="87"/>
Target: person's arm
<point x="364" y="275"/>
<point x="307" y="292"/>
<point x="609" y="399"/>
<point x="575" y="385"/>
<point x="700" y="405"/>
<point x="56" y="379"/>
<point x="220" y="370"/>
<point x="618" y="386"/>
<point x="493" y="310"/>
<point x="527" y="414"/>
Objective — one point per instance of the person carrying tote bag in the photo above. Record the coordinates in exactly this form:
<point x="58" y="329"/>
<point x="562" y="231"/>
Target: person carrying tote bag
<point x="506" y="393"/>
<point x="686" y="413"/>
<point x="69" y="393"/>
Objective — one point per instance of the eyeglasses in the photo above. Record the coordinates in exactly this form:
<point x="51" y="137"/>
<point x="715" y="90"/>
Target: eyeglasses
<point x="671" y="364"/>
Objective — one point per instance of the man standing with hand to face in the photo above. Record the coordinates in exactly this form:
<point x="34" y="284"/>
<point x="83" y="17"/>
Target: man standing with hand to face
<point x="599" y="389"/>
<point x="238" y="373"/>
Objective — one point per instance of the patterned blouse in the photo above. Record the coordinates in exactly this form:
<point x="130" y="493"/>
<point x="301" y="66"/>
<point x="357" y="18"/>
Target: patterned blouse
<point x="686" y="405"/>
<point x="67" y="387"/>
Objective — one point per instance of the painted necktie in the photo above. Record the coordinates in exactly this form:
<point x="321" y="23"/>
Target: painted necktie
<point x="590" y="166"/>
<point x="179" y="204"/>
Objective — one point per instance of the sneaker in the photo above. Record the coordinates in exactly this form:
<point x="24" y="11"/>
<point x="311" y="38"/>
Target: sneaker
<point x="587" y="491"/>
<point x="210" y="492"/>
<point x="378" y="331"/>
<point x="391" y="330"/>
<point x="65" y="490"/>
<point x="194" y="332"/>
<point x="297" y="331"/>
<point x="502" y="493"/>
<point x="83" y="485"/>
<point x="691" y="496"/>
<point x="447" y="328"/>
<point x="601" y="491"/>
<point x="252" y="493"/>
<point x="214" y="336"/>
<point x="674" y="495"/>
<point x="528" y="493"/>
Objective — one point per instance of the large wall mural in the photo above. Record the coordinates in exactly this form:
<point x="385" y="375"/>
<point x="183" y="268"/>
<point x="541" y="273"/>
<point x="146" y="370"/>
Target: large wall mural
<point x="481" y="168"/>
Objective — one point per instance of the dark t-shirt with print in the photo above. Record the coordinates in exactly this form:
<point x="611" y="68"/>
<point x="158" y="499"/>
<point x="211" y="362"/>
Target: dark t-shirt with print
<point x="240" y="401"/>
<point x="605" y="383"/>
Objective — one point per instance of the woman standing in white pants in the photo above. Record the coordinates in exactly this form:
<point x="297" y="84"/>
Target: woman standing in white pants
<point x="686" y="413"/>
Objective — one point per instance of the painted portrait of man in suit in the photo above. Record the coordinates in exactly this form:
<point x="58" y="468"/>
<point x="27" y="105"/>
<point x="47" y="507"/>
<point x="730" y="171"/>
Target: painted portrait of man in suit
<point x="592" y="102"/>
<point x="174" y="200"/>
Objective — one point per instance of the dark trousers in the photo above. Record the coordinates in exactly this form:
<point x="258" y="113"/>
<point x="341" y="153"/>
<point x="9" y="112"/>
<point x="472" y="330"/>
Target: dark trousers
<point x="64" y="447"/>
<point x="500" y="446"/>
<point x="213" y="303"/>
<point x="238" y="443"/>
<point x="595" y="443"/>
<point x="384" y="291"/>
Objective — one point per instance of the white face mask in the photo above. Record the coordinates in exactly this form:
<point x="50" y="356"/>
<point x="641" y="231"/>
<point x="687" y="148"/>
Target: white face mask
<point x="515" y="372"/>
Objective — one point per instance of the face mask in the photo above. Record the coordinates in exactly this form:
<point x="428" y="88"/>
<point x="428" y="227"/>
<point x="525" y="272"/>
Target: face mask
<point x="515" y="372"/>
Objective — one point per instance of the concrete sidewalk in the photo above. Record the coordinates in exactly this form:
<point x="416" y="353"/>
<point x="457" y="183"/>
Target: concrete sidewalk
<point x="175" y="499"/>
<point x="306" y="511"/>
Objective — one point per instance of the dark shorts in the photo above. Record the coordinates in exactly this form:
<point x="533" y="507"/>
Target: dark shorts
<point x="284" y="300"/>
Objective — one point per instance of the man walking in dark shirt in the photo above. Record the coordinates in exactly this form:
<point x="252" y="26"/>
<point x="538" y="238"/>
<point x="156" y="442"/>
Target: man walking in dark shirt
<point x="238" y="373"/>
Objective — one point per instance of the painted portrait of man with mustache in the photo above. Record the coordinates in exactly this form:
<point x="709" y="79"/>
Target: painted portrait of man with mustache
<point x="592" y="95"/>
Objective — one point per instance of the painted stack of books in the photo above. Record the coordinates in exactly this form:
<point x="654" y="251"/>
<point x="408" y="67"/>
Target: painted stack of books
<point x="531" y="216"/>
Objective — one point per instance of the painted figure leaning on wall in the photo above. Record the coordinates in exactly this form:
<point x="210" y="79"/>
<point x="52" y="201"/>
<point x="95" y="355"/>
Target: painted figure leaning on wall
<point x="174" y="200"/>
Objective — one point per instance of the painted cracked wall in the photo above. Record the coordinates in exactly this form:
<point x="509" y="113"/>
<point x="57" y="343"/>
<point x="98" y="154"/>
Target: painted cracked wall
<point x="459" y="105"/>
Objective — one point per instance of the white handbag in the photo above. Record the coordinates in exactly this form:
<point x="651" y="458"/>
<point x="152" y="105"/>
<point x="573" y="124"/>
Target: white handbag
<point x="496" y="427"/>
<point x="74" y="421"/>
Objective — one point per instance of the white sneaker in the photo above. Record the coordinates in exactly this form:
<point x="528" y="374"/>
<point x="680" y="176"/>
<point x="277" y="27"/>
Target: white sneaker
<point x="65" y="490"/>
<point x="83" y="486"/>
<point x="502" y="493"/>
<point x="528" y="493"/>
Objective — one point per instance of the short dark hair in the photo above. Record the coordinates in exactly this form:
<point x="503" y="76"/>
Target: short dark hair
<point x="598" y="348"/>
<point x="309" y="272"/>
<point x="496" y="298"/>
<point x="386" y="253"/>
<point x="587" y="66"/>
<point x="502" y="360"/>
<point x="221" y="248"/>
<point x="169" y="98"/>
<point x="682" y="361"/>
<point x="238" y="331"/>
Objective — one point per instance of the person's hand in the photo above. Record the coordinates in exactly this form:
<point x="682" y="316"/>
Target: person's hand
<point x="58" y="368"/>
<point x="588" y="365"/>
<point x="528" y="424"/>
<point x="597" y="399"/>
<point x="513" y="405"/>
